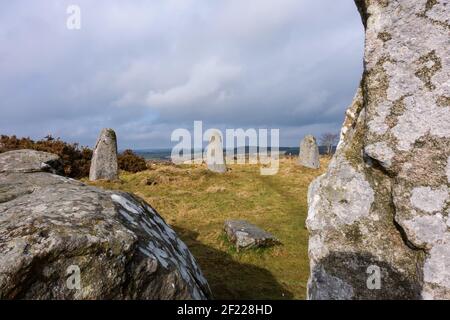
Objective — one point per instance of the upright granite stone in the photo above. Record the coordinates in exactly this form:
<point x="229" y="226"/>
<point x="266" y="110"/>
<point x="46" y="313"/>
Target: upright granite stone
<point x="104" y="164"/>
<point x="379" y="218"/>
<point x="215" y="159"/>
<point x="61" y="239"/>
<point x="309" y="153"/>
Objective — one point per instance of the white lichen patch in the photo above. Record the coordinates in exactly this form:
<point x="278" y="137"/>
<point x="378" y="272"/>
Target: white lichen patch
<point x="381" y="152"/>
<point x="416" y="72"/>
<point x="401" y="82"/>
<point x="428" y="199"/>
<point x="425" y="230"/>
<point x="439" y="12"/>
<point x="128" y="217"/>
<point x="345" y="193"/>
<point x="317" y="249"/>
<point x="39" y="208"/>
<point x="356" y="198"/>
<point x="421" y="117"/>
<point x="436" y="269"/>
<point x="161" y="243"/>
<point x="160" y="255"/>
<point x="125" y="203"/>
<point x="314" y="204"/>
<point x="378" y="124"/>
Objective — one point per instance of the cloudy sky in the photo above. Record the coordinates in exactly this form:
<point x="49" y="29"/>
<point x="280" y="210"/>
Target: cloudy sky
<point x="147" y="67"/>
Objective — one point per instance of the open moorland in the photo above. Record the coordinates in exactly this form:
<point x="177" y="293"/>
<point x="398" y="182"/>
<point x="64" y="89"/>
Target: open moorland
<point x="196" y="202"/>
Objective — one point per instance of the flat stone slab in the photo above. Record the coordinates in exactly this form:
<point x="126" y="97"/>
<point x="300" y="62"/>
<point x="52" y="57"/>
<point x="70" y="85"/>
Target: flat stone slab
<point x="27" y="161"/>
<point x="246" y="235"/>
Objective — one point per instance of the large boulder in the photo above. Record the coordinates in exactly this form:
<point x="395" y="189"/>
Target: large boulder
<point x="309" y="153"/>
<point x="61" y="239"/>
<point x="27" y="161"/>
<point x="104" y="165"/>
<point x="379" y="218"/>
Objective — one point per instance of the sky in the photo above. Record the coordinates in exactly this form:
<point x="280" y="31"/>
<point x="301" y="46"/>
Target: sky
<point x="146" y="68"/>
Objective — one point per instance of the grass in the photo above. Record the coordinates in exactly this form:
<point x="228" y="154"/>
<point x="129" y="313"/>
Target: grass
<point x="196" y="202"/>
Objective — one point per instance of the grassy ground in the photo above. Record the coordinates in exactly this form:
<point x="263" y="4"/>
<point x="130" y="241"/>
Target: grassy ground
<point x="196" y="202"/>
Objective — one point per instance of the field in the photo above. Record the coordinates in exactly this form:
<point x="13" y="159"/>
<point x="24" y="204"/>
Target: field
<point x="196" y="202"/>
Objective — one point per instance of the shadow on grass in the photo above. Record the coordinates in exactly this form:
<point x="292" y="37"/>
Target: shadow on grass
<point x="230" y="279"/>
<point x="344" y="275"/>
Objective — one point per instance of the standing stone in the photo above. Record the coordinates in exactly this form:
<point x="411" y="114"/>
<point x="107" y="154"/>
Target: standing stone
<point x="104" y="164"/>
<point x="309" y="153"/>
<point x="215" y="159"/>
<point x="379" y="218"/>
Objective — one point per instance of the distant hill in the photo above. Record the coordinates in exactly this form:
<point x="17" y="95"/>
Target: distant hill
<point x="165" y="153"/>
<point x="154" y="154"/>
<point x="296" y="150"/>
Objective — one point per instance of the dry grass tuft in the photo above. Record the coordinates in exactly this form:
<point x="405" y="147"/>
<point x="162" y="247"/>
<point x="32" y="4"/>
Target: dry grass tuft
<point x="196" y="202"/>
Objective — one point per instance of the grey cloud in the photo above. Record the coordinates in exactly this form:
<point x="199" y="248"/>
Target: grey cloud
<point x="148" y="67"/>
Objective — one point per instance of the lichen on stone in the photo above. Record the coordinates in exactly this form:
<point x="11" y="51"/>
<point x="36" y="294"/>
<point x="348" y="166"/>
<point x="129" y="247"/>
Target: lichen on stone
<point x="398" y="143"/>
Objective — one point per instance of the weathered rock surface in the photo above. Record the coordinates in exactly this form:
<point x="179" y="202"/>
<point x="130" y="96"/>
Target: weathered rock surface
<point x="104" y="165"/>
<point x="246" y="235"/>
<point x="122" y="247"/>
<point x="384" y="200"/>
<point x="215" y="159"/>
<point x="30" y="161"/>
<point x="309" y="153"/>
